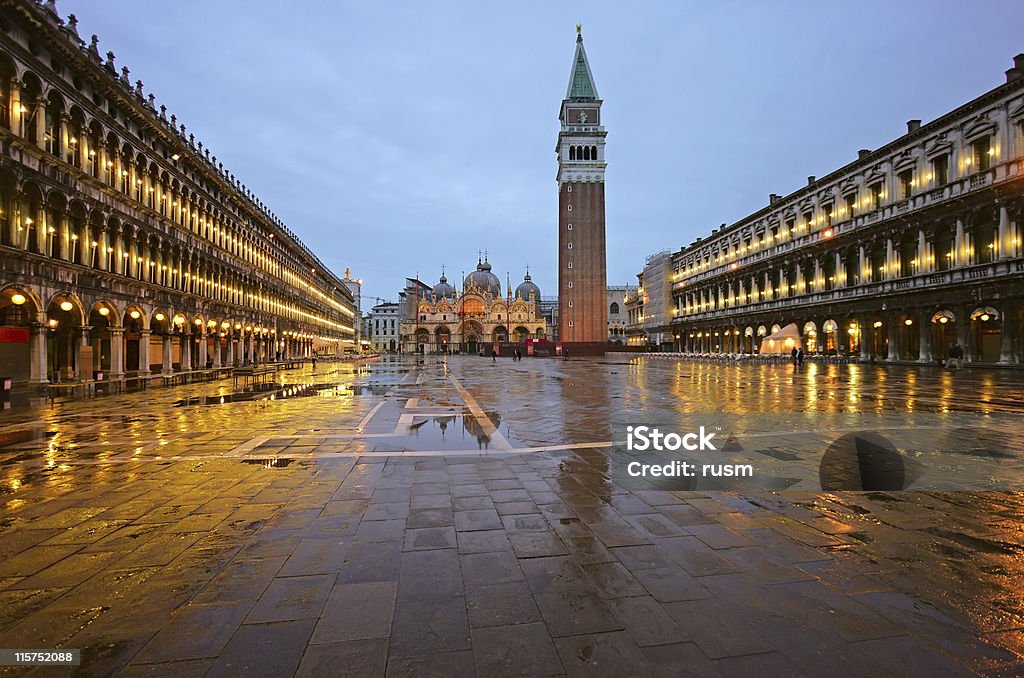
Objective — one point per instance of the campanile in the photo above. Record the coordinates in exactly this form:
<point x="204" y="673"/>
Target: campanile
<point x="582" y="274"/>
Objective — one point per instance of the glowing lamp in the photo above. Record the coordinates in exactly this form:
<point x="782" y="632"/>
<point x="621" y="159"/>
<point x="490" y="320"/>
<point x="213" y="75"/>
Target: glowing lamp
<point x="135" y="315"/>
<point x="18" y="299"/>
<point x="66" y="306"/>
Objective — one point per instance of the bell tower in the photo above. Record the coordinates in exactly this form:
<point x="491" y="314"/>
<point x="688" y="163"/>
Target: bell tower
<point x="582" y="266"/>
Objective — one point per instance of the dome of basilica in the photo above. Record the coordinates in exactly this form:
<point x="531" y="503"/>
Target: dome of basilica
<point x="483" y="280"/>
<point x="442" y="290"/>
<point x="526" y="288"/>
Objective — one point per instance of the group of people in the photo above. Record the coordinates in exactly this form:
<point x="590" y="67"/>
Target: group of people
<point x="517" y="354"/>
<point x="798" y="356"/>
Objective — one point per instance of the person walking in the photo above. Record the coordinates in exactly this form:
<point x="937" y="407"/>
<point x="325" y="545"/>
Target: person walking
<point x="800" y="357"/>
<point x="494" y="356"/>
<point x="793" y="356"/>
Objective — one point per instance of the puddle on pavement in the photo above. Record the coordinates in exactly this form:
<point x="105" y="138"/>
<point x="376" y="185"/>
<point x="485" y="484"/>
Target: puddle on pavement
<point x="269" y="462"/>
<point x="275" y="391"/>
<point x="447" y="432"/>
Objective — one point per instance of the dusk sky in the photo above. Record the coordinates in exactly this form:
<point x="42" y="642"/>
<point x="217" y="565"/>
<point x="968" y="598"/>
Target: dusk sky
<point x="397" y="137"/>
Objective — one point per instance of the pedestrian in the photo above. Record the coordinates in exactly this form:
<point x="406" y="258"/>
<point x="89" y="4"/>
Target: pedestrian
<point x="565" y="354"/>
<point x="793" y="356"/>
<point x="956" y="357"/>
<point x="494" y="356"/>
<point x="800" y="357"/>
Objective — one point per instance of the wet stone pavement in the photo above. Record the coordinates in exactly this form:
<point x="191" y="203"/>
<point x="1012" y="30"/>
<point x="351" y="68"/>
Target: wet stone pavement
<point x="459" y="517"/>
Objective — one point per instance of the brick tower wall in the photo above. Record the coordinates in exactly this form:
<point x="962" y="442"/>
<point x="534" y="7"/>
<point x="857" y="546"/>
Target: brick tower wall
<point x="588" y="312"/>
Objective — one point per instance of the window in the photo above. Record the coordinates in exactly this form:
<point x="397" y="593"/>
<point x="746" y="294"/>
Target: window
<point x="790" y="227"/>
<point x="614" y="308"/>
<point x="940" y="169"/>
<point x="982" y="150"/>
<point x="570" y="264"/>
<point x="569" y="188"/>
<point x="570" y="306"/>
<point x="568" y="208"/>
<point x="570" y="323"/>
<point x="570" y="284"/>
<point x="569" y="227"/>
<point x="827" y="209"/>
<point x="876" y="195"/>
<point x="906" y="180"/>
<point x="808" y="220"/>
<point x="851" y="205"/>
<point x="570" y="245"/>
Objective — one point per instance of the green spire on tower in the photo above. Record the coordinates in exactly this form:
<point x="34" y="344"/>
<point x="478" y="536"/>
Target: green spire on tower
<point x="581" y="81"/>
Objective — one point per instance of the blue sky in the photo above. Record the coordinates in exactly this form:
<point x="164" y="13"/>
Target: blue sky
<point x="394" y="137"/>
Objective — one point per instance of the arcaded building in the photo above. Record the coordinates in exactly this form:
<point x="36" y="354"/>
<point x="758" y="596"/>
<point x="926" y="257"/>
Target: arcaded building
<point x="908" y="250"/>
<point x="125" y="245"/>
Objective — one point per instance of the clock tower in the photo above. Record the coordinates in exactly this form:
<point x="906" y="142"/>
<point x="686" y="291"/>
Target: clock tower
<point x="582" y="266"/>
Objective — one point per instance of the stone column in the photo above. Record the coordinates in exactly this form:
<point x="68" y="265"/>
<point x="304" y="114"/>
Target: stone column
<point x="144" y="336"/>
<point x="42" y="226"/>
<point x="1008" y="334"/>
<point x="890" y="260"/>
<point x="116" y="352"/>
<point x="963" y="331"/>
<point x="17" y="118"/>
<point x="865" y="335"/>
<point x="1004" y="241"/>
<point x="37" y="354"/>
<point x="959" y="256"/>
<point x="186" y="352"/>
<point x="231" y="351"/>
<point x="168" y="366"/>
<point x="216" y="350"/>
<point x="202" y="350"/>
<point x="894" y="337"/>
<point x="924" y="325"/>
<point x="40" y="122"/>
<point x="922" y="253"/>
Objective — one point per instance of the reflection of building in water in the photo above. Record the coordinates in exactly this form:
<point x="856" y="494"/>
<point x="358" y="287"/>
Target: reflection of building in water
<point x="472" y="320"/>
<point x="900" y="254"/>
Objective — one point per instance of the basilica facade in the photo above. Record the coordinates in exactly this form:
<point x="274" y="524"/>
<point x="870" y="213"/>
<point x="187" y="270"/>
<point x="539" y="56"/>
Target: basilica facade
<point x="476" y="319"/>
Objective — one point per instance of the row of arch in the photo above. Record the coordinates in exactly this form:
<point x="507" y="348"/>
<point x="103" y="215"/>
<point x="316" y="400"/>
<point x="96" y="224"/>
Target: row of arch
<point x="60" y="337"/>
<point x="987" y="332"/>
<point x="471" y="339"/>
<point x="583" y="153"/>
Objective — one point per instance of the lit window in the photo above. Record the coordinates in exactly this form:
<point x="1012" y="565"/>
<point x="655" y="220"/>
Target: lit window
<point x="906" y="179"/>
<point x="940" y="169"/>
